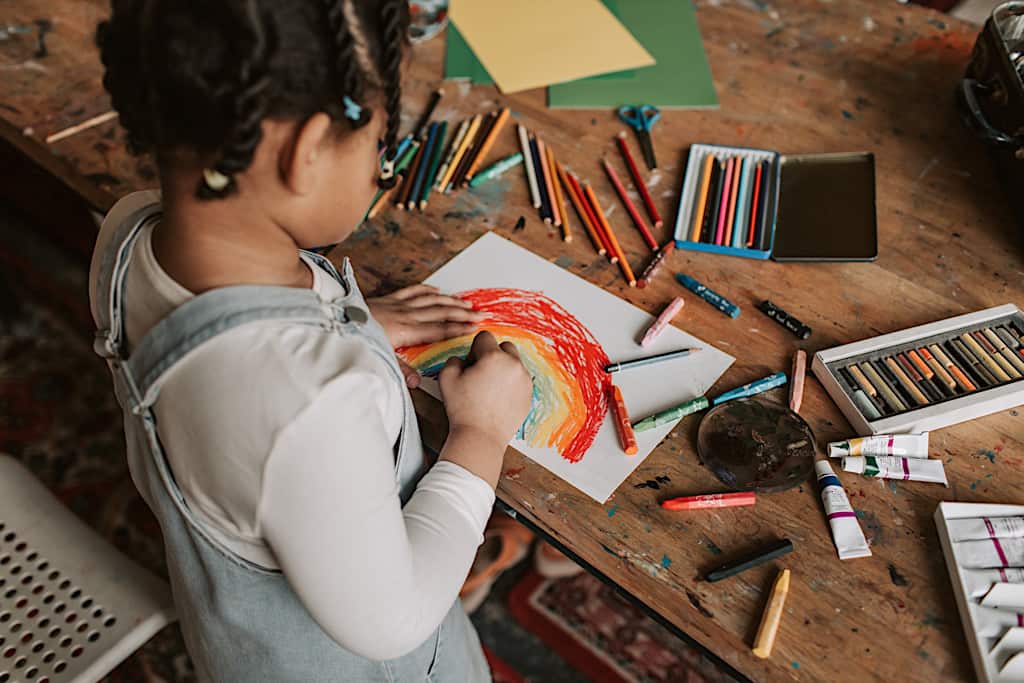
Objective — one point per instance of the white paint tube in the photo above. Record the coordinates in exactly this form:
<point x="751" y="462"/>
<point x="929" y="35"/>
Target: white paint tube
<point x="979" y="528"/>
<point x="992" y="553"/>
<point x="991" y="622"/>
<point x="846" y="531"/>
<point x="979" y="581"/>
<point x="908" y="469"/>
<point x="905" y="445"/>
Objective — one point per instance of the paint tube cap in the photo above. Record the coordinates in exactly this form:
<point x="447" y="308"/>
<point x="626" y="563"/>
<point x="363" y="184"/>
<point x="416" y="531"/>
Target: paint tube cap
<point x="822" y="468"/>
<point x="855" y="465"/>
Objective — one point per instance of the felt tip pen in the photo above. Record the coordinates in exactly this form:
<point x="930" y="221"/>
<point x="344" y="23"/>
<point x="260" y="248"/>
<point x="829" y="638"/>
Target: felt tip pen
<point x="711" y="500"/>
<point x="761" y="385"/>
<point x="758" y="557"/>
<point x="713" y="298"/>
<point x="663" y="320"/>
<point x="496" y="169"/>
<point x="639" y="362"/>
<point x="672" y="414"/>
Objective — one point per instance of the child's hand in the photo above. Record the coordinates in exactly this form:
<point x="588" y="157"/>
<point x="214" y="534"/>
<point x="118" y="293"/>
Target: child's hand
<point x="488" y="395"/>
<point x="421" y="315"/>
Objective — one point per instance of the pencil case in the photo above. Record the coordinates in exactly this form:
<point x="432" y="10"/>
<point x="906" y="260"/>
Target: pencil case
<point x="808" y="207"/>
<point x="941" y="373"/>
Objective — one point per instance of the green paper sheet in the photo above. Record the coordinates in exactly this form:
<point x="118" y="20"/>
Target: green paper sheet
<point x="681" y="77"/>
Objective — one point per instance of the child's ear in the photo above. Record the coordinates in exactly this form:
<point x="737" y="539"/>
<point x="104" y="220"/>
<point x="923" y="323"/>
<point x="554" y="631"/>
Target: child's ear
<point x="300" y="160"/>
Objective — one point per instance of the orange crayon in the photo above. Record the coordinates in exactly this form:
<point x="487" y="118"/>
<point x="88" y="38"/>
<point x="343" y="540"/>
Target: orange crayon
<point x="622" y="424"/>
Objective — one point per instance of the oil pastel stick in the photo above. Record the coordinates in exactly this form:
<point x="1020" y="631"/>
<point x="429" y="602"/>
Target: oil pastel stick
<point x="905" y="381"/>
<point x="801" y="330"/>
<point x="896" y="404"/>
<point x="663" y="320"/>
<point x="713" y="298"/>
<point x="627" y="438"/>
<point x="655" y="264"/>
<point x="962" y="380"/>
<point x="940" y="371"/>
<point x="986" y="359"/>
<point x="711" y="500"/>
<point x="796" y="387"/>
<point x="752" y="389"/>
<point x="672" y="414"/>
<point x="754" y="559"/>
<point x="863" y="402"/>
<point x="1007" y="353"/>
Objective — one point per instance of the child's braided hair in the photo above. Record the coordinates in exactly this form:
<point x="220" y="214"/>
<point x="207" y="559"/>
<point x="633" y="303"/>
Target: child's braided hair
<point x="203" y="74"/>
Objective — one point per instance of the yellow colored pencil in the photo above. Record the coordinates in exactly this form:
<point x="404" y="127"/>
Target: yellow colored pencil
<point x="702" y="198"/>
<point x="474" y="125"/>
<point x="626" y="270"/>
<point x="488" y="142"/>
<point x="577" y="202"/>
<point x="557" y="201"/>
<point x="544" y="176"/>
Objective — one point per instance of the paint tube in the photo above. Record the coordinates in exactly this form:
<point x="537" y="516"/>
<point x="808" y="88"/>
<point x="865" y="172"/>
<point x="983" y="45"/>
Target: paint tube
<point x="979" y="581"/>
<point x="991" y="622"/>
<point x="991" y="553"/>
<point x="980" y="528"/>
<point x="905" y="445"/>
<point x="846" y="531"/>
<point x="907" y="469"/>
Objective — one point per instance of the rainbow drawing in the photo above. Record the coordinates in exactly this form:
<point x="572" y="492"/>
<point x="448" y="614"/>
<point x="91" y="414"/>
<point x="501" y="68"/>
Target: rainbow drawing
<point x="565" y="360"/>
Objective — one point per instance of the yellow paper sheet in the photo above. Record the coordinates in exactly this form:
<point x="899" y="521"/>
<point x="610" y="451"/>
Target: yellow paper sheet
<point x="533" y="43"/>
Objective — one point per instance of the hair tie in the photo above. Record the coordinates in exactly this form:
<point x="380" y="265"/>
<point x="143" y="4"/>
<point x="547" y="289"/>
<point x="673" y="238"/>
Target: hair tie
<point x="354" y="112"/>
<point x="215" y="180"/>
<point x="387" y="178"/>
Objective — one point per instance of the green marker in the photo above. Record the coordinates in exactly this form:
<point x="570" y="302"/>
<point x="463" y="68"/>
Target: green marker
<point x="497" y="169"/>
<point x="672" y="414"/>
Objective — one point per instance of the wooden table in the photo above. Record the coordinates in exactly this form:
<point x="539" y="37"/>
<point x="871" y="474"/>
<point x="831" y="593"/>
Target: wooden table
<point x="799" y="76"/>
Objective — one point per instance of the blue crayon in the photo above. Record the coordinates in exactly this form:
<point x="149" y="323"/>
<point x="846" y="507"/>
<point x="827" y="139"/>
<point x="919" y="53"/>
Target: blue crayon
<point x="761" y="385"/>
<point x="716" y="300"/>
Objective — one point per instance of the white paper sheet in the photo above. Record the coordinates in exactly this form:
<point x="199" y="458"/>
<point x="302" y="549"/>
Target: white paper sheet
<point x="494" y="262"/>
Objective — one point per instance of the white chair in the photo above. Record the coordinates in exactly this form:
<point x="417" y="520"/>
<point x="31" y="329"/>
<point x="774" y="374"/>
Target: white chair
<point x="72" y="607"/>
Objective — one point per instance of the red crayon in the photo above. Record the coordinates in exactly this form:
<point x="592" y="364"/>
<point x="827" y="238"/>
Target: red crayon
<point x="622" y="424"/>
<point x="711" y="500"/>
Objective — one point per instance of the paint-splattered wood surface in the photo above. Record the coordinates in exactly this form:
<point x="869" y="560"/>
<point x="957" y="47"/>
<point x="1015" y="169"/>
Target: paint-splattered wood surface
<point x="800" y="76"/>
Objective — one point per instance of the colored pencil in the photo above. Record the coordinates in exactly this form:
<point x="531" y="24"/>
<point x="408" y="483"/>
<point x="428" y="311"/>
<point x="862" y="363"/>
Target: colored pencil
<point x="723" y="204"/>
<point x="598" y="228"/>
<point x="796" y="386"/>
<point x="496" y="169"/>
<point x="627" y="272"/>
<point x="459" y="179"/>
<point x="577" y="202"/>
<point x="384" y="196"/>
<point x="531" y="173"/>
<point x="754" y="205"/>
<point x="422" y="170"/>
<point x="435" y="161"/>
<point x="764" y="217"/>
<point x="638" y="180"/>
<point x="474" y="125"/>
<point x="538" y="166"/>
<point x="488" y="142"/>
<point x="701" y="198"/>
<point x="410" y="178"/>
<point x="621" y="418"/>
<point x="649" y="360"/>
<point x="638" y="220"/>
<point x="453" y="150"/>
<point x="655" y="263"/>
<point x="421" y="124"/>
<point x="550" y="181"/>
<point x="707" y="227"/>
<point x="559" y="197"/>
<point x="742" y="202"/>
<point x="734" y="193"/>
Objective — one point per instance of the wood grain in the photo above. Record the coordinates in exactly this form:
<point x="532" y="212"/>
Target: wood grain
<point x="800" y="76"/>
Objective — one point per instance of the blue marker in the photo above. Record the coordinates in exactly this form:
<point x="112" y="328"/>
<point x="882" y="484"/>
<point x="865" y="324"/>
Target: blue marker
<point x="769" y="382"/>
<point x="716" y="300"/>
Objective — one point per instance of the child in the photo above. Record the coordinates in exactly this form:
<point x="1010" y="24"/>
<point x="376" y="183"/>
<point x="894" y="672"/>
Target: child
<point x="269" y="427"/>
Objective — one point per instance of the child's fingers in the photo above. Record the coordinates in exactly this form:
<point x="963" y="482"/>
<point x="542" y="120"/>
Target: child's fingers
<point x="439" y="313"/>
<point x="509" y="348"/>
<point x="412" y="377"/>
<point x="483" y="343"/>
<point x="411" y="292"/>
<point x="452" y="367"/>
<point x="435" y="299"/>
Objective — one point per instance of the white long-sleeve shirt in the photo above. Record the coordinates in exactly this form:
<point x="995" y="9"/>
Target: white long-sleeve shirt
<point x="283" y="444"/>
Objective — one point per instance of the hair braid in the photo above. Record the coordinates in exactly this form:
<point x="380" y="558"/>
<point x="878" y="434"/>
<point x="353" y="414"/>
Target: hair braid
<point x="249" y="108"/>
<point x="347" y="63"/>
<point x="392" y="42"/>
<point x="119" y="47"/>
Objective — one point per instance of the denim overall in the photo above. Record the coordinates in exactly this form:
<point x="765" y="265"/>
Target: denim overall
<point x="242" y="622"/>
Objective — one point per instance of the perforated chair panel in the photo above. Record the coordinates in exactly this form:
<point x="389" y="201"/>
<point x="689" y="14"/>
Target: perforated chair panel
<point x="72" y="607"/>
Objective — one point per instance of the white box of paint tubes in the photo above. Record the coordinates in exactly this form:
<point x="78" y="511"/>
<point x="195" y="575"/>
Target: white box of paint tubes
<point x="931" y="376"/>
<point x="989" y="604"/>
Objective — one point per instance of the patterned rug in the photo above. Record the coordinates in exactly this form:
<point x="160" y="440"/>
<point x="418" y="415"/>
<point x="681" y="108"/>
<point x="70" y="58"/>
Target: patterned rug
<point x="59" y="417"/>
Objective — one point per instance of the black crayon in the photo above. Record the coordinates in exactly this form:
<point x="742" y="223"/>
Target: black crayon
<point x="801" y="330"/>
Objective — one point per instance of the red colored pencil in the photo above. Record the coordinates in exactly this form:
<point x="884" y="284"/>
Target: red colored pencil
<point x="723" y="206"/>
<point x="598" y="228"/>
<point x="753" y="205"/>
<point x="638" y="220"/>
<point x="635" y="172"/>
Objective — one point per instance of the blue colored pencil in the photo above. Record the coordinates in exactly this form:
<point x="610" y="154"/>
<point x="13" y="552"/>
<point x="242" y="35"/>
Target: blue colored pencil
<point x="421" y="171"/>
<point x="435" y="163"/>
<point x="742" y="200"/>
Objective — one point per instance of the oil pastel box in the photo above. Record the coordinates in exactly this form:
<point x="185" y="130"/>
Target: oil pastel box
<point x="988" y="609"/>
<point x="930" y="376"/>
<point x="758" y="204"/>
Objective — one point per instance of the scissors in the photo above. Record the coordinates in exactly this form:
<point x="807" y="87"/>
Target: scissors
<point x="641" y="119"/>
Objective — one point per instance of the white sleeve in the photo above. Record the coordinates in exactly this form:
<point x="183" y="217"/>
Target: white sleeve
<point x="378" y="579"/>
